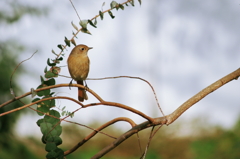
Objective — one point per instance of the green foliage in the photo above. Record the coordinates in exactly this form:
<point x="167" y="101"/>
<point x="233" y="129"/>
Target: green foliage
<point x="10" y="145"/>
<point x="50" y="123"/>
<point x="110" y="13"/>
<point x="92" y="24"/>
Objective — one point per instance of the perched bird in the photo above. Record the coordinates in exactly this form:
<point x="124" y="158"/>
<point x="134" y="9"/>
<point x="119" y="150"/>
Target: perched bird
<point x="78" y="66"/>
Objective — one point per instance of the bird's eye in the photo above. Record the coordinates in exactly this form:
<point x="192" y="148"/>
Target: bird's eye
<point x="82" y="49"/>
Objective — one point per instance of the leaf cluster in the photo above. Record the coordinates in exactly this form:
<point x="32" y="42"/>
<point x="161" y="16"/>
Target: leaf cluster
<point x="50" y="123"/>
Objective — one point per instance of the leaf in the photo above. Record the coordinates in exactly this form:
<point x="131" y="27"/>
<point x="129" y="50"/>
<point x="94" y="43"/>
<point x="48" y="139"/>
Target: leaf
<point x="60" y="153"/>
<point x="44" y="92"/>
<point x="54" y="52"/>
<point x="103" y="4"/>
<point x="36" y="99"/>
<point x="75" y="27"/>
<point x="67" y="42"/>
<point x="121" y="6"/>
<point x="91" y="23"/>
<point x="42" y="80"/>
<point x="49" y="63"/>
<point x="132" y="2"/>
<point x="33" y="92"/>
<point x="50" y="119"/>
<point x="83" y="24"/>
<point x="140" y="2"/>
<point x="110" y="13"/>
<point x="50" y="74"/>
<point x="50" y="82"/>
<point x="72" y="114"/>
<point x="113" y="4"/>
<point x="45" y="70"/>
<point x="55" y="70"/>
<point x="60" y="58"/>
<point x="85" y="31"/>
<point x="50" y="146"/>
<point x="74" y="34"/>
<point x="101" y="15"/>
<point x="73" y="42"/>
<point x="55" y="154"/>
<point x="41" y="109"/>
<point x="51" y="155"/>
<point x="60" y="47"/>
<point x="95" y="21"/>
<point x="39" y="122"/>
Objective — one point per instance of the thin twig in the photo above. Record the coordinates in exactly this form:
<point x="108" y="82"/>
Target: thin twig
<point x="97" y="130"/>
<point x="172" y="117"/>
<point x="119" y="105"/>
<point x="36" y="102"/>
<point x="11" y="88"/>
<point x="75" y="9"/>
<point x="75" y="34"/>
<point x="73" y="122"/>
<point x="155" y="95"/>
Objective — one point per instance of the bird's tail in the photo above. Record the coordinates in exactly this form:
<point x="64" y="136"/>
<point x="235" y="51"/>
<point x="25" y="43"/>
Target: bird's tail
<point x="81" y="93"/>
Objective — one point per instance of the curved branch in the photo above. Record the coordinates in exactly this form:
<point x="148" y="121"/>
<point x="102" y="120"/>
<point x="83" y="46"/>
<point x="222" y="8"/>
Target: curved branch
<point x="97" y="130"/>
<point x="102" y="102"/>
<point x="180" y="110"/>
<point x="172" y="117"/>
<point x="119" y="105"/>
<point x="75" y="34"/>
<point x="44" y="99"/>
<point x="131" y="77"/>
<point x="50" y="87"/>
<point x="134" y="130"/>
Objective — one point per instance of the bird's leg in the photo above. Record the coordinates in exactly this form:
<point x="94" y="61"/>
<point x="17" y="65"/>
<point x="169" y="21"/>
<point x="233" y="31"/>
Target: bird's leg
<point x="86" y="87"/>
<point x="70" y="84"/>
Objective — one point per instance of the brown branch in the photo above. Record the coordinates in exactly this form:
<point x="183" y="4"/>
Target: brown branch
<point x="11" y="88"/>
<point x="64" y="119"/>
<point x="119" y="105"/>
<point x="102" y="102"/>
<point x="125" y="136"/>
<point x="155" y="95"/>
<point x="96" y="131"/>
<point x="50" y="87"/>
<point x="44" y="99"/>
<point x="75" y="34"/>
<point x="172" y="117"/>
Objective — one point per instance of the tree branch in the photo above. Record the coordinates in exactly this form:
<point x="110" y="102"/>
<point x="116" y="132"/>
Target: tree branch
<point x="97" y="130"/>
<point x="173" y="116"/>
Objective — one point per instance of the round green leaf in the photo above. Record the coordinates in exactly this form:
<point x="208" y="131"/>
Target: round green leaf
<point x="50" y="146"/>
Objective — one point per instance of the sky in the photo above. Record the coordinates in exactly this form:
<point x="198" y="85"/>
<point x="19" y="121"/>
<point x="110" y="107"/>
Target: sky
<point x="179" y="46"/>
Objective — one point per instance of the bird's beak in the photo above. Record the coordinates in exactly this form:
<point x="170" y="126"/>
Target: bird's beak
<point x="90" y="48"/>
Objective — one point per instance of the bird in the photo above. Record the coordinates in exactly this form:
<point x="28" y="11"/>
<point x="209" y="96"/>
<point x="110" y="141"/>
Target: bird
<point x="78" y="66"/>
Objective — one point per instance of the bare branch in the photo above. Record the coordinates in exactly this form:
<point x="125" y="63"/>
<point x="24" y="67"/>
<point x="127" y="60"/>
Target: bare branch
<point x="75" y="9"/>
<point x="44" y="99"/>
<point x="11" y="88"/>
<point x="172" y="117"/>
<point x="50" y="87"/>
<point x="125" y="136"/>
<point x="155" y="95"/>
<point x="97" y="130"/>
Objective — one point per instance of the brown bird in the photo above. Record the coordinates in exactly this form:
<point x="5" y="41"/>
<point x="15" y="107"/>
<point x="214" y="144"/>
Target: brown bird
<point x="78" y="66"/>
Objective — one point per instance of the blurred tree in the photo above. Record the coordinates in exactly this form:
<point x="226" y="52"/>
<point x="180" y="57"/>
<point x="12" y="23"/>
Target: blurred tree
<point x="10" y="146"/>
<point x="221" y="144"/>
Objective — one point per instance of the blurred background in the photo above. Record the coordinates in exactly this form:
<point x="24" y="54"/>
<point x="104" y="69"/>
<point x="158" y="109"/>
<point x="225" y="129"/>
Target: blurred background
<point x="179" y="46"/>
